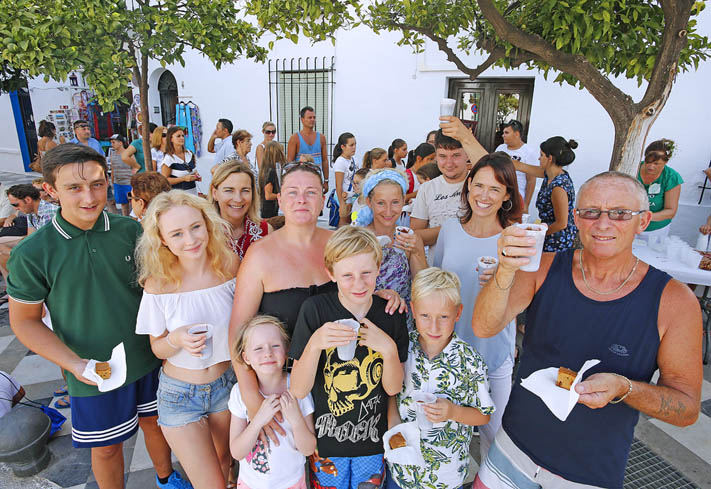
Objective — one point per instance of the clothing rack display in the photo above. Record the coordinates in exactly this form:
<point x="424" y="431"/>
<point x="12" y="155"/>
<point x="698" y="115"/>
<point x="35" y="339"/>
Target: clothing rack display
<point x="187" y="115"/>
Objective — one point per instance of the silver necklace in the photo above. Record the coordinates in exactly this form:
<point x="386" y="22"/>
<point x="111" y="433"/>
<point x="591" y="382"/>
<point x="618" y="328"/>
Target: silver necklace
<point x="585" y="281"/>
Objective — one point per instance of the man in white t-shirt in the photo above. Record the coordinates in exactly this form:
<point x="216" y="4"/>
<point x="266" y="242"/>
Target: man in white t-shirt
<point x="518" y="150"/>
<point x="11" y="392"/>
<point x="439" y="199"/>
<point x="222" y="148"/>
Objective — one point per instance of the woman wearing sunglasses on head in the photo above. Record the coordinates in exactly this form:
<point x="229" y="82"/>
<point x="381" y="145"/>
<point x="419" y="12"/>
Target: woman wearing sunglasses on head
<point x="282" y="270"/>
<point x="556" y="199"/>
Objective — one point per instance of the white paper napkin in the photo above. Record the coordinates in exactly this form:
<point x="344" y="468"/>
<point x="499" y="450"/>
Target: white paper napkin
<point x="560" y="401"/>
<point x="407" y="455"/>
<point x="117" y="362"/>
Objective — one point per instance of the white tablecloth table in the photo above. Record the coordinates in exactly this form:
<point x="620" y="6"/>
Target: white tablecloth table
<point x="684" y="274"/>
<point x="680" y="271"/>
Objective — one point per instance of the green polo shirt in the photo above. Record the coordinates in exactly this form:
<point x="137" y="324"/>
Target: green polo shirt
<point x="88" y="281"/>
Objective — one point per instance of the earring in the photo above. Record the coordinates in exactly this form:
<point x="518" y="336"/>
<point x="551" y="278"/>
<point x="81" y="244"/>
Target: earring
<point x="510" y="206"/>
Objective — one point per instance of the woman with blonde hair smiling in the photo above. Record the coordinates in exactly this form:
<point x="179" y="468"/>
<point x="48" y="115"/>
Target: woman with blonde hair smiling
<point x="233" y="191"/>
<point x="188" y="275"/>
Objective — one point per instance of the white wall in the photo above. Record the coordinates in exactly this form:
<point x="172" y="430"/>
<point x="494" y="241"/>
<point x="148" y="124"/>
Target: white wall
<point x="383" y="91"/>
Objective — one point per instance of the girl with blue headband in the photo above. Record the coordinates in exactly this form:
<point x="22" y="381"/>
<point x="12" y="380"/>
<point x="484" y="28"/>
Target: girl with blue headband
<point x="404" y="254"/>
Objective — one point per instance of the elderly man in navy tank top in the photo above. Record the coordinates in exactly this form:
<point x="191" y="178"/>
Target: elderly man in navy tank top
<point x="309" y="142"/>
<point x="602" y="303"/>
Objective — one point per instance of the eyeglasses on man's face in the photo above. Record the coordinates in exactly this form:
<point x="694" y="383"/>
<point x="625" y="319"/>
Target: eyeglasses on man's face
<point x="593" y="214"/>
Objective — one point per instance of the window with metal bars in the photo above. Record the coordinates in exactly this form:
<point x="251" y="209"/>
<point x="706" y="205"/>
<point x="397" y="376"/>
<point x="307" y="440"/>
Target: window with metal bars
<point x="298" y="82"/>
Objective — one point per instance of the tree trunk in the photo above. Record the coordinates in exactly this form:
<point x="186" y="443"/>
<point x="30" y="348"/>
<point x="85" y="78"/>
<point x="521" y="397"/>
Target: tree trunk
<point x="631" y="133"/>
<point x="146" y="132"/>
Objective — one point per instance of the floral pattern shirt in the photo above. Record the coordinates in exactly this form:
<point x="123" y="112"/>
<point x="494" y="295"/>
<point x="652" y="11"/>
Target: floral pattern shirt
<point x="395" y="274"/>
<point x="563" y="239"/>
<point x="459" y="374"/>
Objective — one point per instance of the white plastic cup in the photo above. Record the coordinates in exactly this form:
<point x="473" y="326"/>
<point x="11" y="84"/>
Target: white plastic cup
<point x="702" y="242"/>
<point x="486" y="263"/>
<point x="347" y="352"/>
<point x="525" y="218"/>
<point x="421" y="398"/>
<point x="206" y="329"/>
<point x="537" y="231"/>
<point x="403" y="230"/>
<point x="656" y="242"/>
<point x="446" y="106"/>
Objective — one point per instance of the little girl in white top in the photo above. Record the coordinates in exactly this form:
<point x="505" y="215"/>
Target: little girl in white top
<point x="187" y="271"/>
<point x="262" y="344"/>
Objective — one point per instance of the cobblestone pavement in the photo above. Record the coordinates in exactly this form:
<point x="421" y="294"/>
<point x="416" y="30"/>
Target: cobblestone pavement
<point x="662" y="456"/>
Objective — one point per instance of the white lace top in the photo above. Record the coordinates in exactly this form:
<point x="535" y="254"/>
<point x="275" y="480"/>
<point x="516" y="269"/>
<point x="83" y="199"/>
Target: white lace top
<point x="161" y="312"/>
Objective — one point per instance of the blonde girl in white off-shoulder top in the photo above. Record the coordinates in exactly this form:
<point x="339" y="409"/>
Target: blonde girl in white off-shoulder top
<point x="187" y="271"/>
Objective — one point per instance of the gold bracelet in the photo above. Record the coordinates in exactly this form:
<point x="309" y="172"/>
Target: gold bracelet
<point x="629" y="390"/>
<point x="496" y="282"/>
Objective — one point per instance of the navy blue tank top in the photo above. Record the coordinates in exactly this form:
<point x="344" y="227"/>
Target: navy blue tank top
<point x="564" y="329"/>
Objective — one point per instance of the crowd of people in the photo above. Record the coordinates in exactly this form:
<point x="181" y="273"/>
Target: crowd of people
<point x="236" y="331"/>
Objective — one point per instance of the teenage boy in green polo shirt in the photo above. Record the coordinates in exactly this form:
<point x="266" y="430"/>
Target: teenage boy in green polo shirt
<point x="88" y="283"/>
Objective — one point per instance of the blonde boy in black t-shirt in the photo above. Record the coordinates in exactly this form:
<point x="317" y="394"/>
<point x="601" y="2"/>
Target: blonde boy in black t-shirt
<point x="350" y="397"/>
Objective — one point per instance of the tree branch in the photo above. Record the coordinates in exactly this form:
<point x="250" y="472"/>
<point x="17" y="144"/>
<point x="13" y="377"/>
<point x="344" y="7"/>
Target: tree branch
<point x="614" y="100"/>
<point x="676" y="20"/>
<point x="495" y="53"/>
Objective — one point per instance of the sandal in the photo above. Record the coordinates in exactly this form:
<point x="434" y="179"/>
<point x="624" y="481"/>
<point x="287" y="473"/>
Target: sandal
<point x="62" y="391"/>
<point x="63" y="403"/>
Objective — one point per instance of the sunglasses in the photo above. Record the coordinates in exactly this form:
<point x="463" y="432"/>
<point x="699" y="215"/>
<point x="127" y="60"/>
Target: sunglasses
<point x="613" y="214"/>
<point x="82" y="126"/>
<point x="515" y="125"/>
<point x="15" y="204"/>
<point x="131" y="197"/>
<point x="300" y="165"/>
<point x="270" y="131"/>
<point x="165" y="134"/>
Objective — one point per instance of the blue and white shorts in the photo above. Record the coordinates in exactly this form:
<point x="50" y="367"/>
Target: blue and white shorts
<point x="112" y="417"/>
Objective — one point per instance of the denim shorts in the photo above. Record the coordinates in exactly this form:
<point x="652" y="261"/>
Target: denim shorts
<point x="181" y="403"/>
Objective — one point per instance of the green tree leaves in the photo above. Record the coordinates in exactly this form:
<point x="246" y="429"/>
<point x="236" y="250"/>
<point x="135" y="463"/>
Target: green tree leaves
<point x="106" y="38"/>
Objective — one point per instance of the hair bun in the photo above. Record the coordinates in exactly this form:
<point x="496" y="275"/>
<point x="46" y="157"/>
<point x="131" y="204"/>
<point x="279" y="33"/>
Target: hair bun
<point x="572" y="143"/>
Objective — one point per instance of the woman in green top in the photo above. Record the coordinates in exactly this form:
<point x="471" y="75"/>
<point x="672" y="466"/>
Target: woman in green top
<point x="663" y="184"/>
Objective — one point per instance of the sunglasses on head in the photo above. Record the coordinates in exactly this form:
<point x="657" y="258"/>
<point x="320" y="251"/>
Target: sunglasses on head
<point x="593" y="214"/>
<point x="515" y="125"/>
<point x="301" y="165"/>
<point x="132" y="197"/>
<point x="270" y="131"/>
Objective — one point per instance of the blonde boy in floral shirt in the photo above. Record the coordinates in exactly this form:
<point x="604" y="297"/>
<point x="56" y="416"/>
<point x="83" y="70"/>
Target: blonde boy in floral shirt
<point x="440" y="363"/>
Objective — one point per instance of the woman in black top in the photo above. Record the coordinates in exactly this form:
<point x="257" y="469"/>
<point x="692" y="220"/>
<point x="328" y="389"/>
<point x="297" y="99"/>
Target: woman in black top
<point x="280" y="271"/>
<point x="272" y="161"/>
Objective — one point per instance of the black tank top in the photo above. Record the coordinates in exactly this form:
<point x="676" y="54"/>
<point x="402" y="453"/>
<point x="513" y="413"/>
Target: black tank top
<point x="564" y="329"/>
<point x="285" y="304"/>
